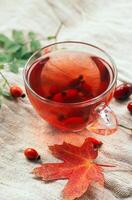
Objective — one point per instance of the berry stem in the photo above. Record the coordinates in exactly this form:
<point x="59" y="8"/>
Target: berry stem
<point x="6" y="81"/>
<point x="106" y="165"/>
<point x="123" y="126"/>
<point x="58" y="30"/>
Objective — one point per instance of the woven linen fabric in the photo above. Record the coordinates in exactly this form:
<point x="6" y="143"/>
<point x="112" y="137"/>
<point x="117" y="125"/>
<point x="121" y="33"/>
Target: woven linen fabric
<point x="107" y="24"/>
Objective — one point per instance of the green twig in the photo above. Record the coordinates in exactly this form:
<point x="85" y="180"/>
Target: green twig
<point x="58" y="30"/>
<point x="6" y="81"/>
<point x="123" y="126"/>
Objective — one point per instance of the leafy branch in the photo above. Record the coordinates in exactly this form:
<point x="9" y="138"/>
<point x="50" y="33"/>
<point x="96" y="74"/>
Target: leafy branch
<point x="15" y="51"/>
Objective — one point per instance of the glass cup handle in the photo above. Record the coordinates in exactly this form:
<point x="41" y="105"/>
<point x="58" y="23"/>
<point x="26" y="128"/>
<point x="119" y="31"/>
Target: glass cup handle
<point x="106" y="122"/>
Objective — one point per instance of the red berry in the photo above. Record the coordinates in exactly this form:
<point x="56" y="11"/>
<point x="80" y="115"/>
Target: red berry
<point x="71" y="95"/>
<point x="123" y="91"/>
<point x="73" y="121"/>
<point x="129" y="106"/>
<point x="95" y="142"/>
<point x="59" y="97"/>
<point x="31" y="154"/>
<point x="53" y="90"/>
<point x="16" y="91"/>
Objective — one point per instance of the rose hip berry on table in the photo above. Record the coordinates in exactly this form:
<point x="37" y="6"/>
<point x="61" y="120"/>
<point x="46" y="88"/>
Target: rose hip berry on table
<point x="16" y="91"/>
<point x="31" y="154"/>
<point x="129" y="107"/>
<point x="123" y="92"/>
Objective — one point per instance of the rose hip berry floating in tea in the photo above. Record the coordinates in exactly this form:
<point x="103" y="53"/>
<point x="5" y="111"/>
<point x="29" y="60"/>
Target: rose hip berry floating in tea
<point x="31" y="154"/>
<point x="16" y="91"/>
<point x="59" y="97"/>
<point x="73" y="122"/>
<point x="66" y="96"/>
<point x="129" y="107"/>
<point x="53" y="90"/>
<point x="71" y="96"/>
<point x="123" y="91"/>
<point x="71" y="93"/>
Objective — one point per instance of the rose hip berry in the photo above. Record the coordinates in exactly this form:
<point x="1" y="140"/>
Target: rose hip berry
<point x="31" y="154"/>
<point x="59" y="97"/>
<point x="95" y="142"/>
<point x="123" y="91"/>
<point x="71" y="94"/>
<point x="53" y="90"/>
<point x="16" y="91"/>
<point x="73" y="121"/>
<point x="129" y="107"/>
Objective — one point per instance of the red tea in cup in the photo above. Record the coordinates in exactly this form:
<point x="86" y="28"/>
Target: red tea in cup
<point x="66" y="87"/>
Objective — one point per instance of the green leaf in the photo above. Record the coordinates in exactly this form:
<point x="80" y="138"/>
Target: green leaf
<point x="4" y="41"/>
<point x="0" y="102"/>
<point x="25" y="53"/>
<point x="4" y="57"/>
<point x="14" y="48"/>
<point x="0" y="91"/>
<point x="32" y="35"/>
<point x="22" y="53"/>
<point x="14" y="67"/>
<point x="1" y="66"/>
<point x="20" y="63"/>
<point x="35" y="45"/>
<point x="7" y="95"/>
<point x="24" y="50"/>
<point x="51" y="37"/>
<point x="8" y="44"/>
<point x="16" y="51"/>
<point x="18" y="54"/>
<point x="18" y="36"/>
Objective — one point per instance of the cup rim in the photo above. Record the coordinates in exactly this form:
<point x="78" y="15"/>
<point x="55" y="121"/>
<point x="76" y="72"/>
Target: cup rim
<point x="88" y="102"/>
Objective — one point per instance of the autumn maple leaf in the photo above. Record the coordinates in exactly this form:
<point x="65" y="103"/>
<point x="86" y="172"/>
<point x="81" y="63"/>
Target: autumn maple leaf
<point x="78" y="166"/>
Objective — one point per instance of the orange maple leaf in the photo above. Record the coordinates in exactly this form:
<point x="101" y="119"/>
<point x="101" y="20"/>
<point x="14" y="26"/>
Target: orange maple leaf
<point x="78" y="167"/>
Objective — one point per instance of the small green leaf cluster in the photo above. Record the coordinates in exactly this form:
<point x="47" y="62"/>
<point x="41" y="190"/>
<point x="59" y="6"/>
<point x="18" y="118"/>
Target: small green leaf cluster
<point x="15" y="51"/>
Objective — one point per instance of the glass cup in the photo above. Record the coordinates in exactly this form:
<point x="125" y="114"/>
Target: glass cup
<point x="93" y="114"/>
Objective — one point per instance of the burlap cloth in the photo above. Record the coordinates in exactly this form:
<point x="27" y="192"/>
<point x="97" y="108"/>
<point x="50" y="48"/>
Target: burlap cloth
<point x="107" y="24"/>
